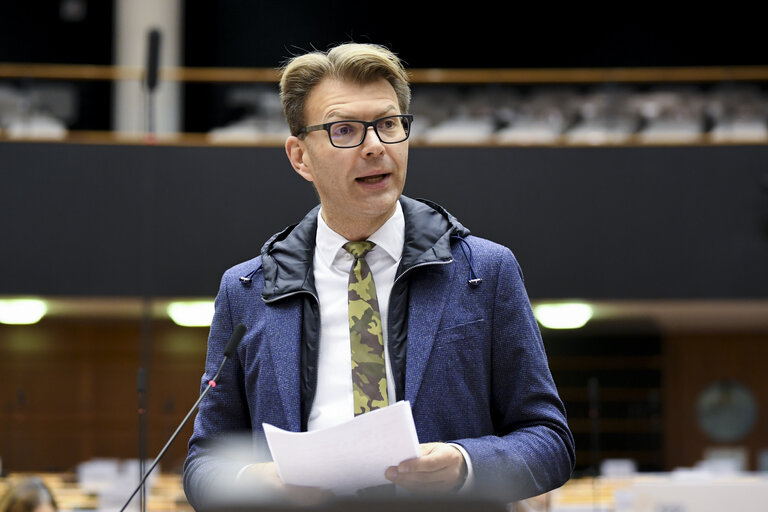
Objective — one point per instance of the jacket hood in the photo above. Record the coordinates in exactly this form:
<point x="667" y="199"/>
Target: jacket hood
<point x="287" y="256"/>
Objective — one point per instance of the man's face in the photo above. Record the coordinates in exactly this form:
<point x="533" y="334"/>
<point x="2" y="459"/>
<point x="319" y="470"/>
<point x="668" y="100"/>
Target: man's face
<point x="360" y="185"/>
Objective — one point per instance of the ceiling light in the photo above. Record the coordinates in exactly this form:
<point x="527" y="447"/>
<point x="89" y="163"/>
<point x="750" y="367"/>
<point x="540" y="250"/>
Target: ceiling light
<point x="563" y="316"/>
<point x="197" y="313"/>
<point x="22" y="311"/>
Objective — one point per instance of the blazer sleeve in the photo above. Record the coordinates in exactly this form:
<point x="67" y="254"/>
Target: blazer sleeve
<point x="533" y="449"/>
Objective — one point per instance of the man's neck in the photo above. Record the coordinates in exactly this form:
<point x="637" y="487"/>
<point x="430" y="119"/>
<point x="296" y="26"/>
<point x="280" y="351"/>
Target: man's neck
<point x="354" y="229"/>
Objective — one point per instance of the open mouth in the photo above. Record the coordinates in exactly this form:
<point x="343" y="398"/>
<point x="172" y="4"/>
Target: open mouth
<point x="376" y="178"/>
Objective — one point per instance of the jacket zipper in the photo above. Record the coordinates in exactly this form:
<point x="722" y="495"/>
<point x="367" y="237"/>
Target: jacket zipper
<point x="421" y="265"/>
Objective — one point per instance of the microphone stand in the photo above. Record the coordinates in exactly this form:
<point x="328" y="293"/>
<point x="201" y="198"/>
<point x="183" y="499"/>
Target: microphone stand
<point x="142" y="435"/>
<point x="211" y="384"/>
<point x="150" y="83"/>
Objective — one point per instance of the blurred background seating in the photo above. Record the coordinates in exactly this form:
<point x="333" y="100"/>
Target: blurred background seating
<point x="502" y="114"/>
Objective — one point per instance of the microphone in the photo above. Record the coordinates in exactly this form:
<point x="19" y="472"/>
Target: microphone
<point x="153" y="59"/>
<point x="229" y="351"/>
<point x="234" y="340"/>
<point x="150" y="79"/>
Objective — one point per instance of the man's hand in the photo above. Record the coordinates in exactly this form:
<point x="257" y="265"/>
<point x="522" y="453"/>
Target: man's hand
<point x="265" y="476"/>
<point x="441" y="468"/>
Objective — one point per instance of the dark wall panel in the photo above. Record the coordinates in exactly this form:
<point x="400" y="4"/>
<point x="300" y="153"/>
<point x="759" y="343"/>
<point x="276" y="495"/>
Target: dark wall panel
<point x="600" y="223"/>
<point x="664" y="222"/>
<point x="129" y="220"/>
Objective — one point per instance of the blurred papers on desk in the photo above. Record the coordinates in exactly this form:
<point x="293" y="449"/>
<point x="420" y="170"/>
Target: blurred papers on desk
<point x="679" y="491"/>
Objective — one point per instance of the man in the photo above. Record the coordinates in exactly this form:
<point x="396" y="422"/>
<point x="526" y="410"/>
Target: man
<point x="445" y="322"/>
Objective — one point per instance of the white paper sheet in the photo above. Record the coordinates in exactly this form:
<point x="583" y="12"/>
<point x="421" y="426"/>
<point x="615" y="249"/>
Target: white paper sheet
<point x="349" y="456"/>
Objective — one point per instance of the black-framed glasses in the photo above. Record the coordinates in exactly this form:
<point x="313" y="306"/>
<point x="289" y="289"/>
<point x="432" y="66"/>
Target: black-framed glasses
<point x="351" y="133"/>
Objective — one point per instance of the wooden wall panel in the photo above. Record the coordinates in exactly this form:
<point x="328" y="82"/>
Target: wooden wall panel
<point x="608" y="375"/>
<point x="69" y="391"/>
<point x="693" y="362"/>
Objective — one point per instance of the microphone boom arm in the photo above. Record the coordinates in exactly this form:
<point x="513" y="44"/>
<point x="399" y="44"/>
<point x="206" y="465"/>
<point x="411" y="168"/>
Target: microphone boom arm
<point x="228" y="352"/>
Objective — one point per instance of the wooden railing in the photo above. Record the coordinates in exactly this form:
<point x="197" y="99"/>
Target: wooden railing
<point x="418" y="76"/>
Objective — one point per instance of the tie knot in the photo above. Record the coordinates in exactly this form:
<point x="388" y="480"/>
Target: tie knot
<point x="359" y="249"/>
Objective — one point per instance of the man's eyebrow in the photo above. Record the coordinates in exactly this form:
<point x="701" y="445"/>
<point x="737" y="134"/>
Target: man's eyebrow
<point x="342" y="115"/>
<point x="386" y="110"/>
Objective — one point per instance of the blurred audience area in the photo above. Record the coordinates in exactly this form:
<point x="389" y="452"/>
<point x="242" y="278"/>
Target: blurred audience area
<point x="103" y="484"/>
<point x="501" y="114"/>
<point x="462" y="114"/>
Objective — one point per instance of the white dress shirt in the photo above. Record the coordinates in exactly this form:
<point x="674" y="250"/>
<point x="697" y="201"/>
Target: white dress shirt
<point x="334" y="400"/>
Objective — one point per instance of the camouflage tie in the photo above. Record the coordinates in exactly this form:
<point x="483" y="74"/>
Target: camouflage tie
<point x="369" y="378"/>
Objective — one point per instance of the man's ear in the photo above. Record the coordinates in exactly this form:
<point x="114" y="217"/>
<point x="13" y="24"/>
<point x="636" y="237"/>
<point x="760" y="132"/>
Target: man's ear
<point x="296" y="150"/>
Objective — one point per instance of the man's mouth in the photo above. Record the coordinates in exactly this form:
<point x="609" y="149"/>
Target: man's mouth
<point x="372" y="179"/>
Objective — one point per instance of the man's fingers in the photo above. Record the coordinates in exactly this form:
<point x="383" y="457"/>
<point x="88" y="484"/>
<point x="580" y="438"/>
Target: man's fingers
<point x="434" y="457"/>
<point x="441" y="467"/>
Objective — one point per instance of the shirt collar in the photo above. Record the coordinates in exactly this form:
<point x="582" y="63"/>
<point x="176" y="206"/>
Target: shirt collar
<point x="389" y="237"/>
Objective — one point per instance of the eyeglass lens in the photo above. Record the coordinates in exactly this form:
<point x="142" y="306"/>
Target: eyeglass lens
<point x="351" y="133"/>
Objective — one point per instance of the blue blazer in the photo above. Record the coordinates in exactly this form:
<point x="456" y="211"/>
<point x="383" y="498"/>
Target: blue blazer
<point x="476" y="371"/>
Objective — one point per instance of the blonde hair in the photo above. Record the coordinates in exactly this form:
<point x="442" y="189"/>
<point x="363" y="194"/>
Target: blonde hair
<point x="354" y="62"/>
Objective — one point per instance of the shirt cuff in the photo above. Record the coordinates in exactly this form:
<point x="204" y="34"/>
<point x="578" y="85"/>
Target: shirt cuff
<point x="470" y="479"/>
<point x="242" y="470"/>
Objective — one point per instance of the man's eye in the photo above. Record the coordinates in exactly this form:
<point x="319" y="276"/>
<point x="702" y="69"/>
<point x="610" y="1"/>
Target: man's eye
<point x="342" y="129"/>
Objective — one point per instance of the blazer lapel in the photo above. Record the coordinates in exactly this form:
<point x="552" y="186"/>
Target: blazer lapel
<point x="425" y="310"/>
<point x="284" y="334"/>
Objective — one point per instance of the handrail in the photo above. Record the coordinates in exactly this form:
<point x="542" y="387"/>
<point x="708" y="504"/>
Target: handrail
<point x="425" y="76"/>
<point x="93" y="72"/>
<point x="204" y="139"/>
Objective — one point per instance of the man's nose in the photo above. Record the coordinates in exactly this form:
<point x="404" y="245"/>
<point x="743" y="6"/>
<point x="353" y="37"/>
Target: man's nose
<point x="371" y="142"/>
